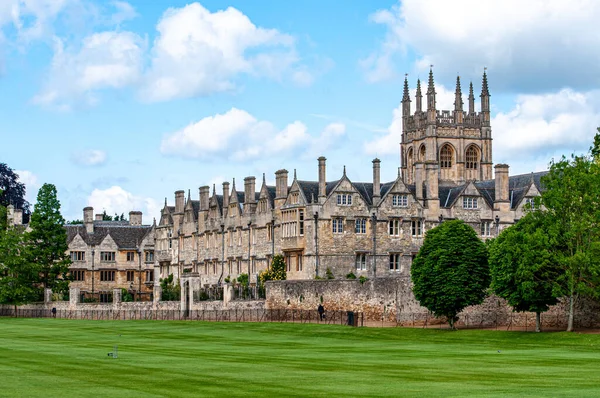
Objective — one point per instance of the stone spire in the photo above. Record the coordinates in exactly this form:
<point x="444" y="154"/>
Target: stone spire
<point x="458" y="102"/>
<point x="471" y="99"/>
<point x="406" y="98"/>
<point x="344" y="170"/>
<point x="485" y="101"/>
<point x="484" y="85"/>
<point x="431" y="91"/>
<point x="419" y="97"/>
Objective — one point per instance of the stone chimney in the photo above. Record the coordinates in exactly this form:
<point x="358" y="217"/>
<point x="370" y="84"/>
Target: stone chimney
<point x="419" y="180"/>
<point x="376" y="181"/>
<point x="10" y="216"/>
<point x="249" y="190"/>
<point x="204" y="197"/>
<point x="501" y="201"/>
<point x="281" y="183"/>
<point x="225" y="196"/>
<point x="88" y="219"/>
<point x="99" y="217"/>
<point x="135" y="218"/>
<point x="179" y="201"/>
<point x="322" y="179"/>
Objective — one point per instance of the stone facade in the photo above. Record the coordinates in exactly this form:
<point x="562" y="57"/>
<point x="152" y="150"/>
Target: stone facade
<point x="371" y="228"/>
<point x="107" y="255"/>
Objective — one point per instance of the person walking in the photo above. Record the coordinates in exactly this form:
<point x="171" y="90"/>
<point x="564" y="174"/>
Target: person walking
<point x="321" y="312"/>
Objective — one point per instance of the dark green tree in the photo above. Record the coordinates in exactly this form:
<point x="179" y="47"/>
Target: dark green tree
<point x="451" y="271"/>
<point x="570" y="202"/>
<point x="18" y="276"/>
<point x="48" y="241"/>
<point x="12" y="192"/>
<point x="524" y="267"/>
<point x="171" y="291"/>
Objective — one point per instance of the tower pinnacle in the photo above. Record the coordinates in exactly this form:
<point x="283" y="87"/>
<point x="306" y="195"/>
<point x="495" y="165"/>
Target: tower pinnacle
<point x="471" y="99"/>
<point x="419" y="97"/>
<point x="458" y="102"/>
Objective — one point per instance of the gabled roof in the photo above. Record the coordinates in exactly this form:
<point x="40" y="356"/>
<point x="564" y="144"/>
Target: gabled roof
<point x="125" y="236"/>
<point x="518" y="186"/>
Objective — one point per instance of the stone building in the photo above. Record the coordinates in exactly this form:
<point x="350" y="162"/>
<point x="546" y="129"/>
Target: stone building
<point x="367" y="228"/>
<point x="107" y="255"/>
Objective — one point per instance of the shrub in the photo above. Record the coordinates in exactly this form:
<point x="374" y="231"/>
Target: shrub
<point x="329" y="274"/>
<point x="351" y="276"/>
<point x="362" y="279"/>
<point x="170" y="291"/>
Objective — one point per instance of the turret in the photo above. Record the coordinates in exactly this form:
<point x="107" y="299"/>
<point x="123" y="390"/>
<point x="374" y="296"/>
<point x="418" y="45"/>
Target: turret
<point x="485" y="101"/>
<point x="419" y="98"/>
<point x="471" y="99"/>
<point x="458" y="103"/>
<point x="431" y="111"/>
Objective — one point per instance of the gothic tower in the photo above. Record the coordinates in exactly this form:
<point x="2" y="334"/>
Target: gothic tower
<point x="457" y="142"/>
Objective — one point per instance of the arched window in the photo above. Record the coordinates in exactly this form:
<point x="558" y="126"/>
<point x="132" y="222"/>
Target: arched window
<point x="446" y="157"/>
<point x="472" y="158"/>
<point x="409" y="163"/>
<point x="422" y="152"/>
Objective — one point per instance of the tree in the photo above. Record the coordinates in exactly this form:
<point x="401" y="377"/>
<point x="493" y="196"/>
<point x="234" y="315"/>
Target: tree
<point x="571" y="204"/>
<point x="451" y="271"/>
<point x="171" y="291"/>
<point x="524" y="267"/>
<point x="276" y="272"/>
<point x="12" y="192"/>
<point x="48" y="240"/>
<point x="17" y="274"/>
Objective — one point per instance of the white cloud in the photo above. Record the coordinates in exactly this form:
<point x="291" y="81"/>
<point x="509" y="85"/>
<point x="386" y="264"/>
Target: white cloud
<point x="531" y="45"/>
<point x="32" y="19"/>
<point x="32" y="184"/>
<point x="389" y="143"/>
<point x="105" y="60"/>
<point x="117" y="200"/>
<point x="91" y="157"/>
<point x="199" y="52"/>
<point x="239" y="136"/>
<point x="543" y="126"/>
<point x="124" y="12"/>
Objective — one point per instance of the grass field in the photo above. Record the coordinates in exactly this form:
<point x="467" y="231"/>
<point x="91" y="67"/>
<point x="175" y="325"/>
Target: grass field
<point x="68" y="358"/>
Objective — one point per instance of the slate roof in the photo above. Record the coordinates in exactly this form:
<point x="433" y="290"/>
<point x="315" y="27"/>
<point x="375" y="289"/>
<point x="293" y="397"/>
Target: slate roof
<point x="125" y="236"/>
<point x="365" y="189"/>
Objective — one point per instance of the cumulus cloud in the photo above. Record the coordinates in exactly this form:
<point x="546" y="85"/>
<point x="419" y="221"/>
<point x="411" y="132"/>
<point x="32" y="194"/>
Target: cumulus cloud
<point x="239" y="136"/>
<point x="123" y="12"/>
<point x="198" y="52"/>
<point x="90" y="157"/>
<point x="546" y="125"/>
<point x="32" y="184"/>
<point x="533" y="45"/>
<point x="104" y="60"/>
<point x="117" y="200"/>
<point x="32" y="19"/>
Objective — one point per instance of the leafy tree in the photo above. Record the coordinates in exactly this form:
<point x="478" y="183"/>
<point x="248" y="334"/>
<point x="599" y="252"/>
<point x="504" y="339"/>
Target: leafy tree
<point x="571" y="206"/>
<point x="276" y="272"/>
<point x="48" y="241"/>
<point x="116" y="217"/>
<point x="75" y="222"/>
<point x="12" y="192"/>
<point x="524" y="268"/>
<point x="451" y="271"/>
<point x="243" y="279"/>
<point x="17" y="274"/>
<point x="171" y="291"/>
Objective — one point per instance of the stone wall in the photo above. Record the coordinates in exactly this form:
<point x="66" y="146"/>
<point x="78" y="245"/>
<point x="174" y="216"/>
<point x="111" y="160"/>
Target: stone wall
<point x="391" y="299"/>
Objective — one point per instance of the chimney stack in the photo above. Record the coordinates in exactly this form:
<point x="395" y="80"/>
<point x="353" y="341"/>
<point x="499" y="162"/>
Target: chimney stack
<point x="99" y="217"/>
<point x="179" y="201"/>
<point x="225" y="197"/>
<point x="135" y="218"/>
<point x="249" y="190"/>
<point x="18" y="220"/>
<point x="204" y="197"/>
<point x="88" y="219"/>
<point x="376" y="181"/>
<point x="281" y="184"/>
<point x="501" y="179"/>
<point x="322" y="179"/>
<point x="433" y="201"/>
<point x="11" y="215"/>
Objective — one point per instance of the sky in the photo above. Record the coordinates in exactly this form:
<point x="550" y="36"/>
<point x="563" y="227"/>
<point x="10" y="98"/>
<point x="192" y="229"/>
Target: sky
<point x="119" y="104"/>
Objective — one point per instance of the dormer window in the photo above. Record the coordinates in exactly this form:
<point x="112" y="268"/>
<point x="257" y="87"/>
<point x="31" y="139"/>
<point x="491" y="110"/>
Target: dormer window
<point x="400" y="200"/>
<point x="469" y="202"/>
<point x="530" y="203"/>
<point x="344" y="199"/>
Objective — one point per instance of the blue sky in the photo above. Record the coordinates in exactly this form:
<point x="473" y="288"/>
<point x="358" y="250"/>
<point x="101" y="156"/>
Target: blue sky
<point x="119" y="104"/>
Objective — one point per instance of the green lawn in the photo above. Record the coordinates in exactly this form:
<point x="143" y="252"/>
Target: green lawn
<point x="64" y="358"/>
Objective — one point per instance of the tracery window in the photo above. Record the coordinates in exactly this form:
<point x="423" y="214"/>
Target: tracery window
<point x="446" y="157"/>
<point x="472" y="158"/>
